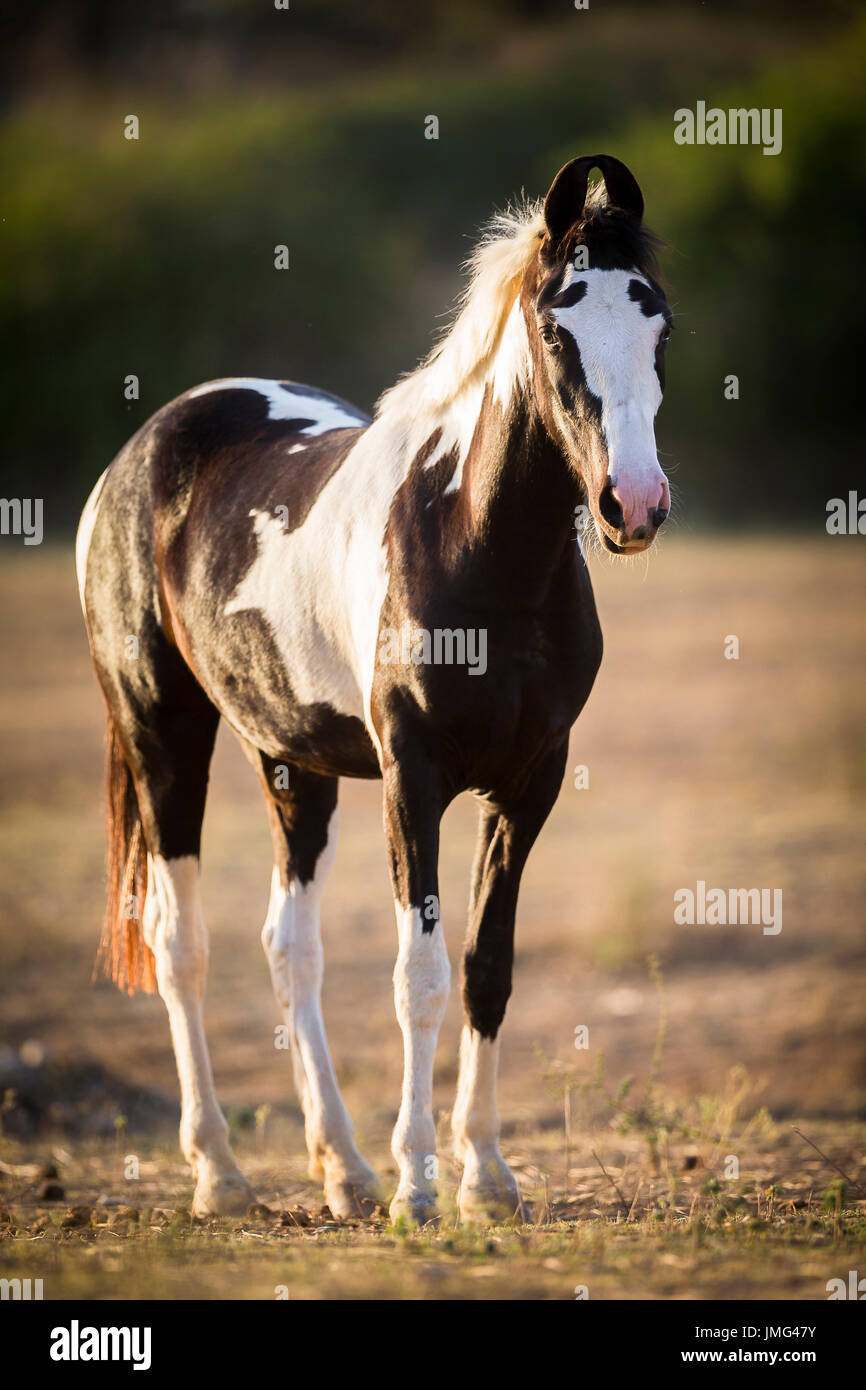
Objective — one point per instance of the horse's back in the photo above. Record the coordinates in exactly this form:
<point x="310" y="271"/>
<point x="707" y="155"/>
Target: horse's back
<point x="305" y="410"/>
<point x="247" y="441"/>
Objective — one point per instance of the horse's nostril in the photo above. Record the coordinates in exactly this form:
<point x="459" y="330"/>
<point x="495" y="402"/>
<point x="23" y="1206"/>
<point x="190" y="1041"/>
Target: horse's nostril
<point x="609" y="506"/>
<point x="659" y="515"/>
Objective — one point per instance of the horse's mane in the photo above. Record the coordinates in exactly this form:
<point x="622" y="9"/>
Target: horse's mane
<point x="496" y="269"/>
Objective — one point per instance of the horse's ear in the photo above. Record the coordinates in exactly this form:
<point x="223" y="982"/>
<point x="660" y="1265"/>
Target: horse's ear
<point x="566" y="198"/>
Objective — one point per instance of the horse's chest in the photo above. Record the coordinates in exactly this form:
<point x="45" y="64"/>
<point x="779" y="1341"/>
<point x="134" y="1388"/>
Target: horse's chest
<point x="489" y="696"/>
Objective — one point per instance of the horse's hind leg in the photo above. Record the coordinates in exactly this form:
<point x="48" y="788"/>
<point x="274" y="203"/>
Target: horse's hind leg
<point x="303" y="819"/>
<point x="168" y="742"/>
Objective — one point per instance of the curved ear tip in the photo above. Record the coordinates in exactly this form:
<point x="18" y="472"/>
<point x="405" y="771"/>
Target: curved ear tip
<point x="607" y="164"/>
<point x="622" y="187"/>
<point x="592" y="161"/>
<point x="566" y="197"/>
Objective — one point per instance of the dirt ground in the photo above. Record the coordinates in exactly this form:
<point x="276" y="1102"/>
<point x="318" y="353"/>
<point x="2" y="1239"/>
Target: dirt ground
<point x="740" y="773"/>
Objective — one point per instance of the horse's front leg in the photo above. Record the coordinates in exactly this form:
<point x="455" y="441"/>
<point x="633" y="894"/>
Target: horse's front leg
<point x="413" y="807"/>
<point x="488" y="1190"/>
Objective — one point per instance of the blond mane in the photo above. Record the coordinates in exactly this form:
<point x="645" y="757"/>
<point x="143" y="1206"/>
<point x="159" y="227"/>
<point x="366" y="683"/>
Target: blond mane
<point x="496" y="269"/>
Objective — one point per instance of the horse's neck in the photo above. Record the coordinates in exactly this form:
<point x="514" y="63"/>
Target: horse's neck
<point x="518" y="498"/>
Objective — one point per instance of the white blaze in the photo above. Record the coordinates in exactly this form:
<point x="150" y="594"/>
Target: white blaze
<point x="617" y="344"/>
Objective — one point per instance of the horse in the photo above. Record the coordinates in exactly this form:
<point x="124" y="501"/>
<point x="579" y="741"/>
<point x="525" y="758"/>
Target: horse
<point x="264" y="552"/>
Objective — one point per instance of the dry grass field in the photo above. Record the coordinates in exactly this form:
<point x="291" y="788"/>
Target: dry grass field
<point x="705" y="1042"/>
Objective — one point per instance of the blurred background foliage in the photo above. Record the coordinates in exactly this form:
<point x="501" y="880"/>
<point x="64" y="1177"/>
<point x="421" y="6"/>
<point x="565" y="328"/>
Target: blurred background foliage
<point x="261" y="126"/>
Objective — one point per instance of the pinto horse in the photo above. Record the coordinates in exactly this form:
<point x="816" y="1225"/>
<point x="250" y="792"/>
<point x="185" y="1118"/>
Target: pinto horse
<point x="244" y="557"/>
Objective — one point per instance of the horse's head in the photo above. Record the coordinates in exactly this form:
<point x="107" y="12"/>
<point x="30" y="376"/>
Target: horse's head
<point x="598" y="325"/>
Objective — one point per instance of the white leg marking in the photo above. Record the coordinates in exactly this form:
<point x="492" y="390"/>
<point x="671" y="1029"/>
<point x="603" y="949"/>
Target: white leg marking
<point x="293" y="946"/>
<point x="422" y="977"/>
<point x="488" y="1188"/>
<point x="174" y="929"/>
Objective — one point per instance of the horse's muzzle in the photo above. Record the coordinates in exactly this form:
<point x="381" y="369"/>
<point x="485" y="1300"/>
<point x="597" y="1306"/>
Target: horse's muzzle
<point x="629" y="517"/>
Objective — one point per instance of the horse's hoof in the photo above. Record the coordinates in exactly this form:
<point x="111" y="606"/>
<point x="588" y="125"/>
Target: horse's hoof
<point x="230" y="1195"/>
<point x="354" y="1200"/>
<point x="414" y="1209"/>
<point x="491" y="1206"/>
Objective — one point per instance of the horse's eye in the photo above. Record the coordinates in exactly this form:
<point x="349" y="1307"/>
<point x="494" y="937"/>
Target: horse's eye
<point x="550" y="338"/>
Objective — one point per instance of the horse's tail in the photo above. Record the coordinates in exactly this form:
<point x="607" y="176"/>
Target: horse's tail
<point x="123" y="954"/>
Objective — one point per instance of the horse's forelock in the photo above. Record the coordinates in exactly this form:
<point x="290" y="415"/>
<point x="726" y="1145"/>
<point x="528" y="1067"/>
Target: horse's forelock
<point x="613" y="238"/>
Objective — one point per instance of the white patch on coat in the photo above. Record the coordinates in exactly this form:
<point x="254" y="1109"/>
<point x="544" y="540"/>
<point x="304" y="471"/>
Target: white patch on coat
<point x="290" y="403"/>
<point x="321" y="586"/>
<point x="84" y="534"/>
<point x="287" y="583"/>
<point x="617" y="344"/>
<point x="422" y="977"/>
